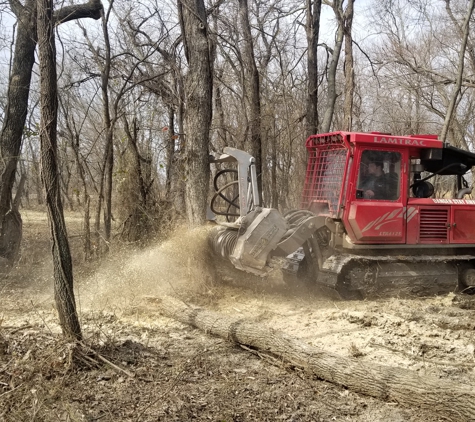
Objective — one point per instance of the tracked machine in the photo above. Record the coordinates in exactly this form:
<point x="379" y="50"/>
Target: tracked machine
<point x="368" y="224"/>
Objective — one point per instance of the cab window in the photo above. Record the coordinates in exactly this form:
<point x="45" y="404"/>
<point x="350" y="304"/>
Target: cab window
<point x="379" y="175"/>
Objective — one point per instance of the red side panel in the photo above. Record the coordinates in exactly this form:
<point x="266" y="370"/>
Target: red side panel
<point x="463" y="224"/>
<point x="377" y="222"/>
<point x="441" y="221"/>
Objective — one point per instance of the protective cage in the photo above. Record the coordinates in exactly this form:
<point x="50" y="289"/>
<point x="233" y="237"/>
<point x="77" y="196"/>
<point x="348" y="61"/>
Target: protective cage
<point x="326" y="173"/>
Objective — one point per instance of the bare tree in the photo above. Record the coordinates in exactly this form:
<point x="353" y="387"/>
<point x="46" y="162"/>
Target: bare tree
<point x="331" y="71"/>
<point x="251" y="88"/>
<point x="198" y="107"/>
<point x="138" y="222"/>
<point x="17" y="107"/>
<point x="344" y="19"/>
<point x="464" y="29"/>
<point x="314" y="8"/>
<point x="347" y="23"/>
<point x="62" y="263"/>
<point x="112" y="95"/>
<point x="163" y="77"/>
<point x="73" y="134"/>
<point x="417" y="91"/>
<point x="13" y="123"/>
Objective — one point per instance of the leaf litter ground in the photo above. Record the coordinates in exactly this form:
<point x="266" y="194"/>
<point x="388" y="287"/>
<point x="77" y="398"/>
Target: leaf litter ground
<point x="157" y="369"/>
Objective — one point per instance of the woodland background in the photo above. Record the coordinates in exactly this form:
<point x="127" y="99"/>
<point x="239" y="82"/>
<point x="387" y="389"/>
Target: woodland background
<point x="113" y="108"/>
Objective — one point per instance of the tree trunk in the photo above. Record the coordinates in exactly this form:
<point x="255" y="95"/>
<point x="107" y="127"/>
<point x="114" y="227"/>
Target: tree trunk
<point x="272" y="144"/>
<point x="74" y="138"/>
<point x="108" y="179"/>
<point x="109" y="133"/>
<point x="455" y="402"/>
<point x="198" y="107"/>
<point x="62" y="264"/>
<point x="87" y="228"/>
<point x="36" y="177"/>
<point x="349" y="67"/>
<point x="138" y="223"/>
<point x="176" y="170"/>
<point x="170" y="150"/>
<point x="97" y="239"/>
<point x="332" y="69"/>
<point x="11" y="235"/>
<point x="19" y="192"/>
<point x="218" y="105"/>
<point x="251" y="88"/>
<point x="314" y="8"/>
<point x="15" y="118"/>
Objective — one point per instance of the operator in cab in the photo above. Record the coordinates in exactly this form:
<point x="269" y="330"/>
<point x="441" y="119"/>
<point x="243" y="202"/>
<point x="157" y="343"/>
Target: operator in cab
<point x="376" y="184"/>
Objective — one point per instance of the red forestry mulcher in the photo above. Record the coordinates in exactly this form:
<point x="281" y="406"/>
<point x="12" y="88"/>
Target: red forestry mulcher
<point x="368" y="223"/>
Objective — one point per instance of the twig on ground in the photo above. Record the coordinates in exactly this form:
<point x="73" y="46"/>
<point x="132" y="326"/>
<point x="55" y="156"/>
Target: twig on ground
<point x="264" y="356"/>
<point x="17" y="329"/>
<point x="10" y="391"/>
<point x="108" y="362"/>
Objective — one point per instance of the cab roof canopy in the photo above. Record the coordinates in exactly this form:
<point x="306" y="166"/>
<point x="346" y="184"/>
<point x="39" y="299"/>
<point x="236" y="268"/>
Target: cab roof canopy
<point x="447" y="160"/>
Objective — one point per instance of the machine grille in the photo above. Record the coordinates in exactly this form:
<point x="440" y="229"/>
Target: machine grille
<point x="326" y="170"/>
<point x="433" y="224"/>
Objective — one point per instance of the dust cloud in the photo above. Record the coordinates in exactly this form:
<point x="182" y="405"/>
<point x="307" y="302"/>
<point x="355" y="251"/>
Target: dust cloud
<point x="179" y="266"/>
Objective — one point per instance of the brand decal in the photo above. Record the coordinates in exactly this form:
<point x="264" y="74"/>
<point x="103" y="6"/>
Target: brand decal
<point x="399" y="141"/>
<point x="389" y="217"/>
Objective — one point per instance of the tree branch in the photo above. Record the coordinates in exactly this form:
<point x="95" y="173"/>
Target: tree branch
<point x="16" y="7"/>
<point x="91" y="9"/>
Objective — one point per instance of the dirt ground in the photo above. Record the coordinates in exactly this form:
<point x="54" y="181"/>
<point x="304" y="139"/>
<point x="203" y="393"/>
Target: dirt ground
<point x="145" y="367"/>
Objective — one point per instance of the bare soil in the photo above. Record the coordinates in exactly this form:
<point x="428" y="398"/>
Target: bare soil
<point x="145" y="367"/>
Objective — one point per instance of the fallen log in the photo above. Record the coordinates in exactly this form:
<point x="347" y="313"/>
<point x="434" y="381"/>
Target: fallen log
<point x="453" y="401"/>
